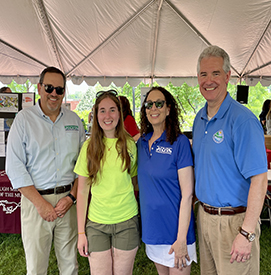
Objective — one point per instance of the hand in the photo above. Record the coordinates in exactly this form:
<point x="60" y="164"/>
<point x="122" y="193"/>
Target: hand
<point x="47" y="211"/>
<point x="241" y="249"/>
<point x="82" y="245"/>
<point x="63" y="206"/>
<point x="181" y="254"/>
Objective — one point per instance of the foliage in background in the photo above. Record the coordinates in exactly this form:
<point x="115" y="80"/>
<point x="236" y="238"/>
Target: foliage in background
<point x="189" y="98"/>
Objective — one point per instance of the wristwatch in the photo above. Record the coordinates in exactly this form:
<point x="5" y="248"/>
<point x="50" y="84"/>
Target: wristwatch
<point x="249" y="235"/>
<point x="72" y="197"/>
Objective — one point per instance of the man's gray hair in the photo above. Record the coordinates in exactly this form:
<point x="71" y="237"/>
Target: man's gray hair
<point x="217" y="52"/>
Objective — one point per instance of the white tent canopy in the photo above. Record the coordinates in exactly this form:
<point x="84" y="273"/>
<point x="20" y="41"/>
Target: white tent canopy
<point x="132" y="41"/>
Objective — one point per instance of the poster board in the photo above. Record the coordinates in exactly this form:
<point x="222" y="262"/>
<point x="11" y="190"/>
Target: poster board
<point x="10" y="105"/>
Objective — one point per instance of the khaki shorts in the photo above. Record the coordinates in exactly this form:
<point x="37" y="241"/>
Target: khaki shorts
<point x="123" y="235"/>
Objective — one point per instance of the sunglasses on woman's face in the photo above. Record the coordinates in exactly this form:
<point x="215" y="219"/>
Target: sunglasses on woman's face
<point x="49" y="89"/>
<point x="112" y="92"/>
<point x="158" y="104"/>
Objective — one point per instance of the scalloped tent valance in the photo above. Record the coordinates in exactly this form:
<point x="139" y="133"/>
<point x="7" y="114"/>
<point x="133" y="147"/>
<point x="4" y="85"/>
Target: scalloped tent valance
<point x="132" y="41"/>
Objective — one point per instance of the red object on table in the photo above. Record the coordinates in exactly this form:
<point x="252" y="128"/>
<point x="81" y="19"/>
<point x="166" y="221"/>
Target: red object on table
<point x="10" y="206"/>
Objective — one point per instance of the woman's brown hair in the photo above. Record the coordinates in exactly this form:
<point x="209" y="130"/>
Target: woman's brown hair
<point x="172" y="125"/>
<point x="96" y="146"/>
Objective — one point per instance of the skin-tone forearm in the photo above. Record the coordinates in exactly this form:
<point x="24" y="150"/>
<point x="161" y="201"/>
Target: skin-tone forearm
<point x="186" y="180"/>
<point x="82" y="204"/>
<point x="74" y="188"/>
<point x="241" y="248"/>
<point x="135" y="183"/>
<point x="136" y="137"/>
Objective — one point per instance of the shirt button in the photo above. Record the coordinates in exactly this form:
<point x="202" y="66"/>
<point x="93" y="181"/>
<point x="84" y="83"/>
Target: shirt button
<point x="206" y="132"/>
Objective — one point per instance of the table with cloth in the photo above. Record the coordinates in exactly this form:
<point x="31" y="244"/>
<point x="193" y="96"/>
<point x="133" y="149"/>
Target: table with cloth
<point x="10" y="206"/>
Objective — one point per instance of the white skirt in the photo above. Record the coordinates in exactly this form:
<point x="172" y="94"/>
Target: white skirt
<point x="159" y="254"/>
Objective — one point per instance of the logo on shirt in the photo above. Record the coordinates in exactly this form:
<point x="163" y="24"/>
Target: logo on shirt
<point x="71" y="128"/>
<point x="164" y="150"/>
<point x="218" y="137"/>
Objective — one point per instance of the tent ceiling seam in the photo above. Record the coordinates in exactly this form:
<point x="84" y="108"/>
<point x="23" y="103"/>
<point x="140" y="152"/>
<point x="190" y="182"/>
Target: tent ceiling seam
<point x="23" y="53"/>
<point x="193" y="28"/>
<point x="254" y="51"/>
<point x="44" y="20"/>
<point x="154" y="52"/>
<point x="110" y="37"/>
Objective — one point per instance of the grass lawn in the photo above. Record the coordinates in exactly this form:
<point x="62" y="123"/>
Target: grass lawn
<point x="12" y="261"/>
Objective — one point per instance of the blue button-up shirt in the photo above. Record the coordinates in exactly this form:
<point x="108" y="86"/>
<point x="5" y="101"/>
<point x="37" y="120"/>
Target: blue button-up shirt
<point x="41" y="152"/>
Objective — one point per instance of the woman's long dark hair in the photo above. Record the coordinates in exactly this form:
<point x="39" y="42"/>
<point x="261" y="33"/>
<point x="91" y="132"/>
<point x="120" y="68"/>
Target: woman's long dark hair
<point x="172" y="125"/>
<point x="96" y="146"/>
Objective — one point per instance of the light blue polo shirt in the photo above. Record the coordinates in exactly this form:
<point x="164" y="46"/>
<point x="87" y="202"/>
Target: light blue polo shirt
<point x="159" y="189"/>
<point x="228" y="150"/>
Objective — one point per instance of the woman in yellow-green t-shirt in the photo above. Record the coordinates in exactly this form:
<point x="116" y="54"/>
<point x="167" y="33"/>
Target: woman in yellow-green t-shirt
<point x="107" y="165"/>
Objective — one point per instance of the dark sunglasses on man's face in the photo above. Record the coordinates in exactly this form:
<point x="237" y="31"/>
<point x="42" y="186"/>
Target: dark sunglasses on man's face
<point x="158" y="104"/>
<point x="49" y="89"/>
<point x="112" y="92"/>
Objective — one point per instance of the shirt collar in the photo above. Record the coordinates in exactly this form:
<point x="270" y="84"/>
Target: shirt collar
<point x="45" y="116"/>
<point x="147" y="136"/>
<point x="222" y="109"/>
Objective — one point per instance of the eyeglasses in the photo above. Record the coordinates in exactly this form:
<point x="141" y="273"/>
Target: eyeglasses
<point x="112" y="92"/>
<point x="49" y="89"/>
<point x="159" y="104"/>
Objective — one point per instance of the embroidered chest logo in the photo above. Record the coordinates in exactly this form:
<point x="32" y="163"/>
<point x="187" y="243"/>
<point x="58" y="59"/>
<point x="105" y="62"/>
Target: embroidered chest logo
<point x="71" y="128"/>
<point x="218" y="137"/>
<point x="164" y="150"/>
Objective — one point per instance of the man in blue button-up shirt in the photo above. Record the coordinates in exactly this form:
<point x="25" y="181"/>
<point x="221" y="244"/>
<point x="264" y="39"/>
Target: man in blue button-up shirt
<point x="43" y="145"/>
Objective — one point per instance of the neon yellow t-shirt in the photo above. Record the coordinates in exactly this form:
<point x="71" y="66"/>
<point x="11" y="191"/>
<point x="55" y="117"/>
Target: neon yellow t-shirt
<point x="113" y="199"/>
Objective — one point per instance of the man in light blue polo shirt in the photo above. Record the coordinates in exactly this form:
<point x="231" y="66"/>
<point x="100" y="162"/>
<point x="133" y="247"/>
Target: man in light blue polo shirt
<point x="230" y="171"/>
<point x="43" y="146"/>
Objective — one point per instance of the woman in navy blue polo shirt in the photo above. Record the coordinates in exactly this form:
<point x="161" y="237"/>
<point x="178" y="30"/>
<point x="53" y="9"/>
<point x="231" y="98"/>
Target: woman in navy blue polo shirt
<point x="166" y="185"/>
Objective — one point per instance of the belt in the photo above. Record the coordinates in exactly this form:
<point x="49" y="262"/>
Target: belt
<point x="56" y="190"/>
<point x="223" y="210"/>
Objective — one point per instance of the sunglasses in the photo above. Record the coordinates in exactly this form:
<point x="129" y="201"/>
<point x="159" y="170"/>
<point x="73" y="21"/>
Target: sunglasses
<point x="49" y="89"/>
<point x="158" y="104"/>
<point x="112" y="92"/>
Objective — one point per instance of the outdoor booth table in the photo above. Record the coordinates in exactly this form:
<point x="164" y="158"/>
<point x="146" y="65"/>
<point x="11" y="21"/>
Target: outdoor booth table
<point x="10" y="206"/>
<point x="10" y="200"/>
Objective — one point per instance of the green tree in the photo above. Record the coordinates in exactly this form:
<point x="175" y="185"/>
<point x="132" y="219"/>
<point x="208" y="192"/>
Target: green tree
<point x="23" y="88"/>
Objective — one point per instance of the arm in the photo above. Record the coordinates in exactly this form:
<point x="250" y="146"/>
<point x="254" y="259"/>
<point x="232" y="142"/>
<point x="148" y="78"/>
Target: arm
<point x="82" y="204"/>
<point x="135" y="183"/>
<point x="44" y="208"/>
<point x="186" y="181"/>
<point x="64" y="204"/>
<point x="241" y="247"/>
<point x="136" y="137"/>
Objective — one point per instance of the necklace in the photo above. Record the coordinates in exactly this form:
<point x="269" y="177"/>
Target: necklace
<point x="108" y="149"/>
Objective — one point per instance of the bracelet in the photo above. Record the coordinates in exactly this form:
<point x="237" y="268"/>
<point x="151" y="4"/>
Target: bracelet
<point x="81" y="233"/>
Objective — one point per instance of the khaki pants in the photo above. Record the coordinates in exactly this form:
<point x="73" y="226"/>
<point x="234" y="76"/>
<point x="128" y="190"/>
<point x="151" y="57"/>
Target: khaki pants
<point x="38" y="234"/>
<point x="216" y="235"/>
